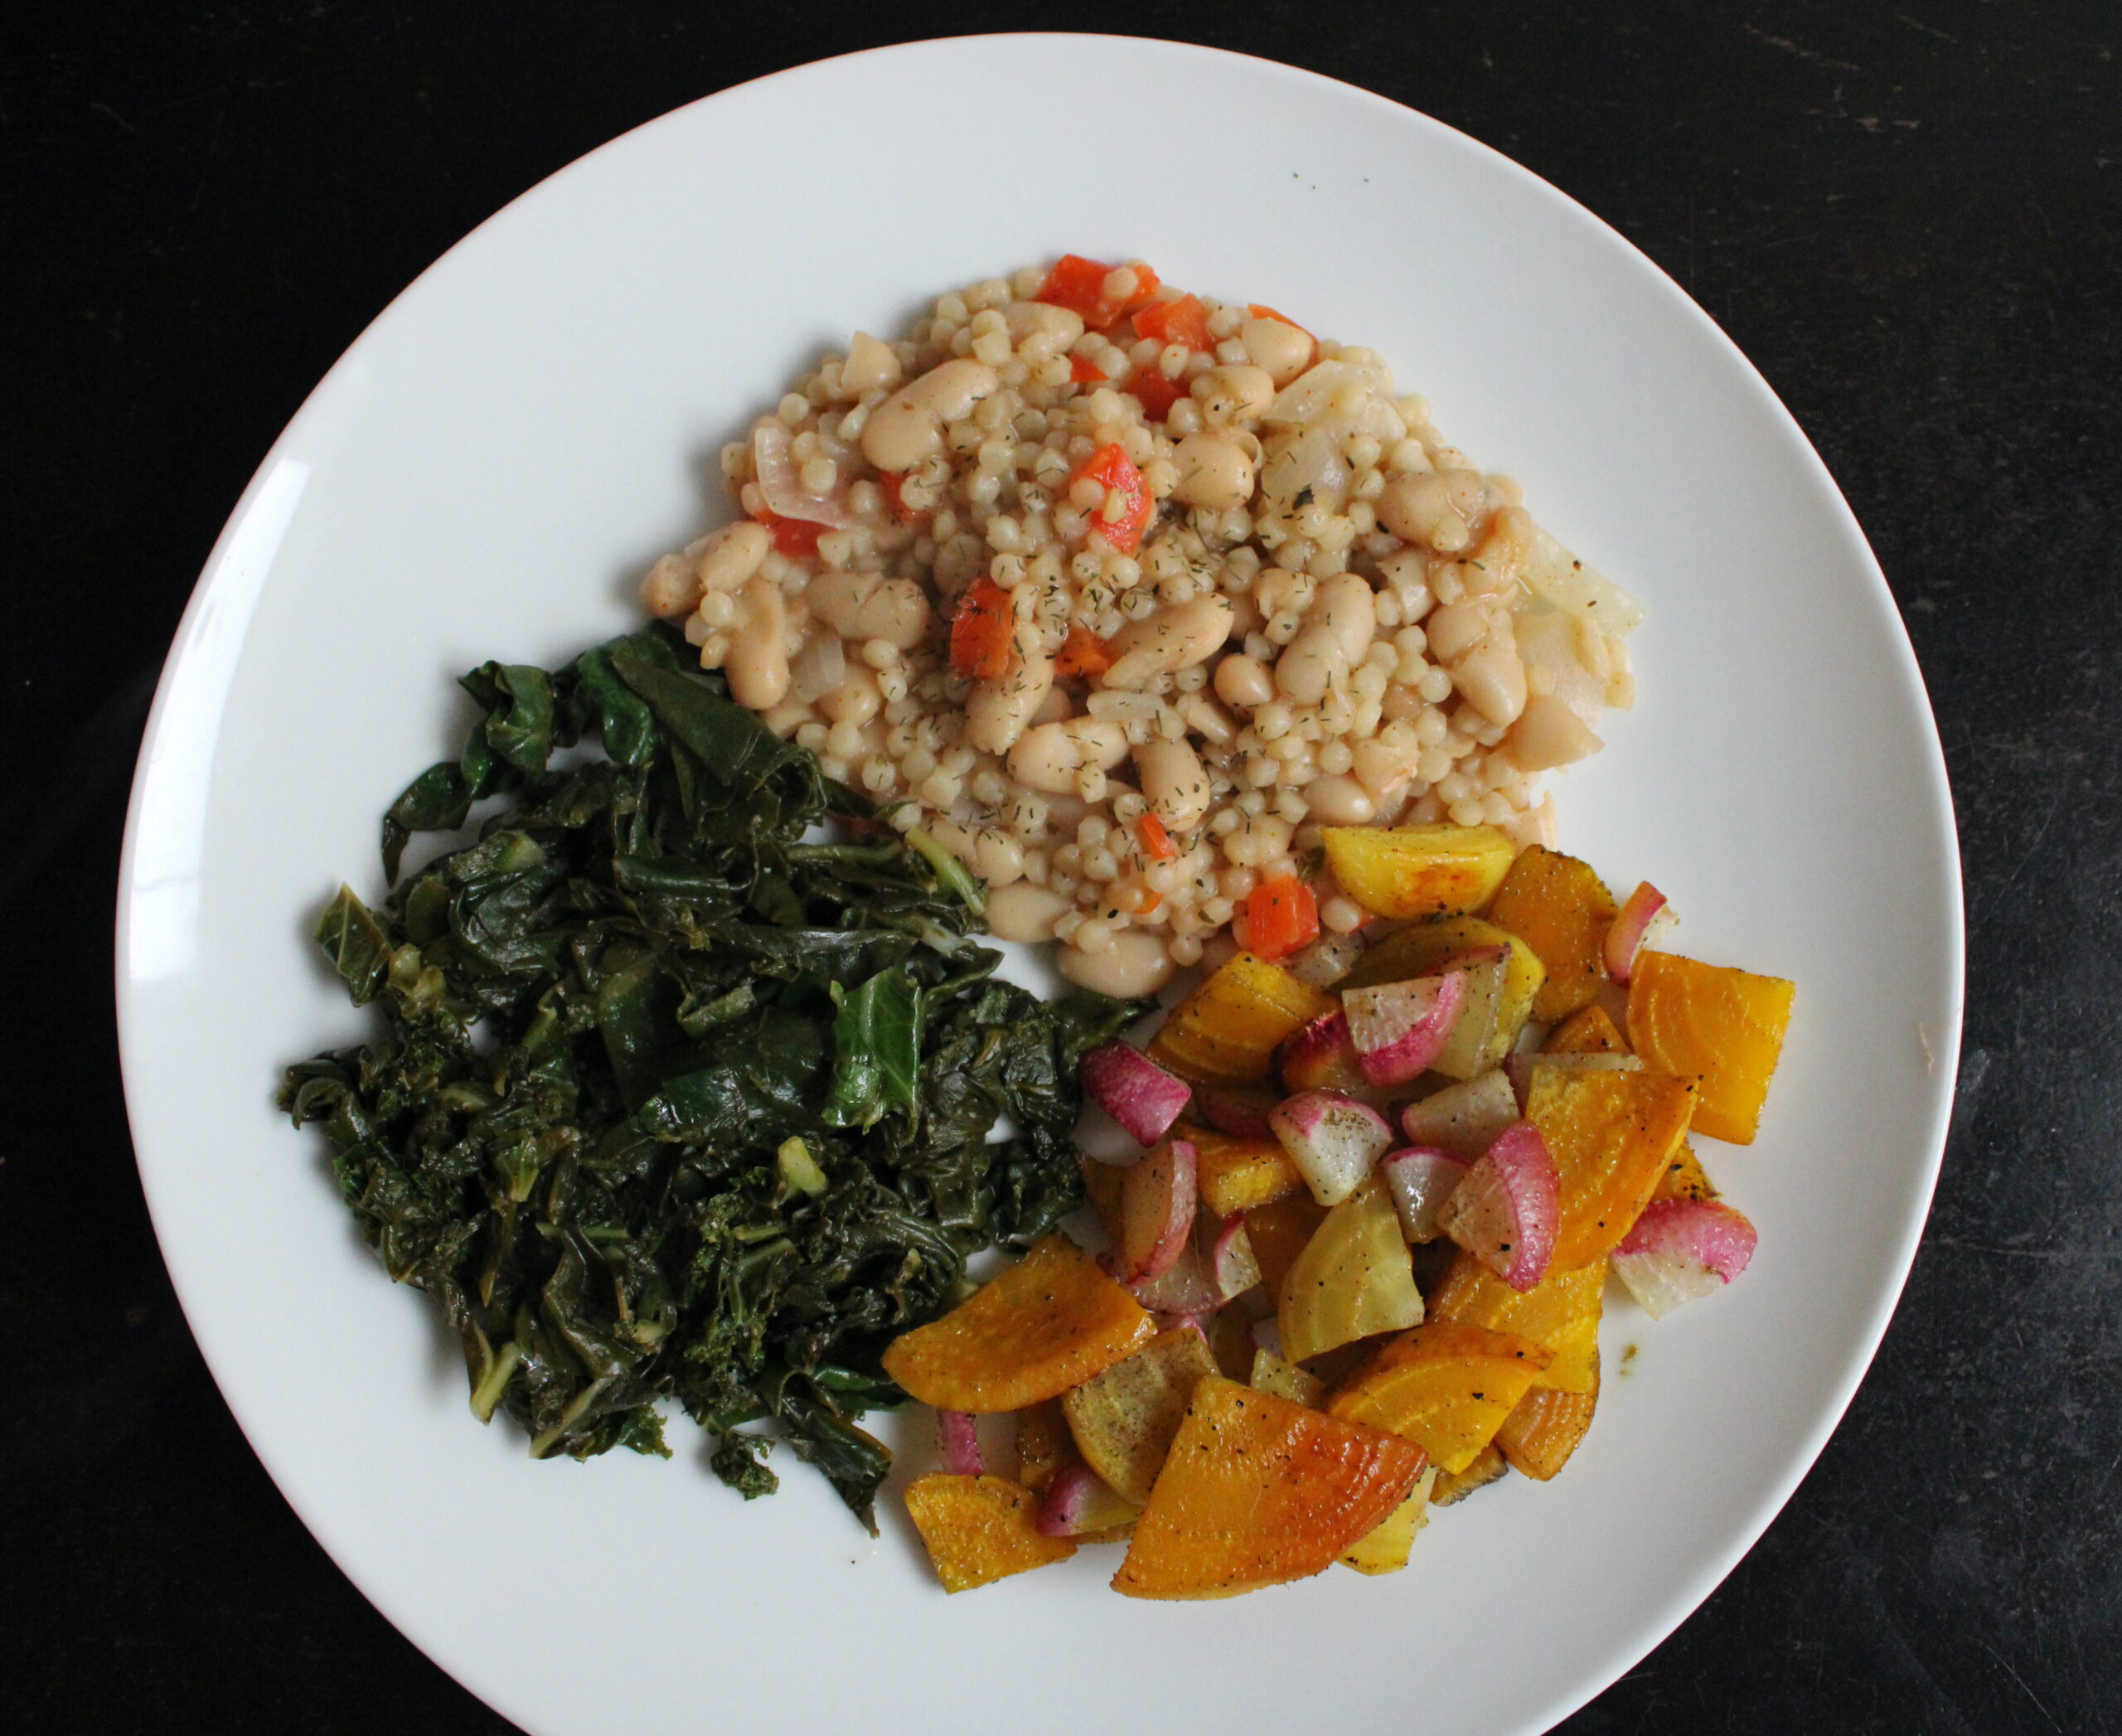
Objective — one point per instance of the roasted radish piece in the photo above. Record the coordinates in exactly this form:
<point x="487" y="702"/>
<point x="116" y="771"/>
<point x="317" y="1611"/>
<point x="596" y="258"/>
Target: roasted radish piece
<point x="1504" y="1212"/>
<point x="1539" y="1435"/>
<point x="1226" y="1032"/>
<point x="1399" y="1029"/>
<point x="1557" y="906"/>
<point x="1353" y="1280"/>
<point x="1611" y="1136"/>
<point x="1233" y="1264"/>
<point x="979" y="1529"/>
<point x="1326" y="960"/>
<point x="1257" y="1490"/>
<point x="1320" y="1055"/>
<point x="1560" y="1314"/>
<point x="1424" y="949"/>
<point x="1333" y="1140"/>
<point x="1157" y="1200"/>
<point x="1386" y="1550"/>
<point x="1645" y="919"/>
<point x="1082" y="1506"/>
<point x="1240" y="1111"/>
<point x="1680" y="1250"/>
<point x="1043" y="1444"/>
<point x="1133" y="1090"/>
<point x="1186" y="1288"/>
<point x="1124" y="1419"/>
<point x="957" y="1436"/>
<point x="1102" y="1184"/>
<point x="1420" y="1179"/>
<point x="1463" y="1119"/>
<point x="1036" y="1328"/>
<point x="1419" y="870"/>
<point x="1445" y="1386"/>
<point x="1706" y="1021"/>
<point x="1238" y="1171"/>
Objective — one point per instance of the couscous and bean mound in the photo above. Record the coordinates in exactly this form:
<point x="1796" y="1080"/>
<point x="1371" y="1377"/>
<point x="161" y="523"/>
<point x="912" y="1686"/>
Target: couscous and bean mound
<point x="1125" y="595"/>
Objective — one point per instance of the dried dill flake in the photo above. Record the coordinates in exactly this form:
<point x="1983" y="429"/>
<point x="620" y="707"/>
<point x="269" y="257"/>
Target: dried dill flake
<point x="602" y="1021"/>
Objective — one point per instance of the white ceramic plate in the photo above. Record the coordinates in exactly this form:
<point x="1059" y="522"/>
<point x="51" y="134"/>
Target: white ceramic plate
<point x="488" y="469"/>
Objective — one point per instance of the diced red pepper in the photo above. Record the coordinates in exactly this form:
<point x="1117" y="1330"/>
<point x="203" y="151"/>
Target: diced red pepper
<point x="1083" y="652"/>
<point x="1079" y="284"/>
<point x="1083" y="373"/>
<point x="1279" y="916"/>
<point x="982" y="630"/>
<point x="1156" y="393"/>
<point x="794" y="538"/>
<point x="1183" y="321"/>
<point x="1111" y="469"/>
<point x="1157" y="841"/>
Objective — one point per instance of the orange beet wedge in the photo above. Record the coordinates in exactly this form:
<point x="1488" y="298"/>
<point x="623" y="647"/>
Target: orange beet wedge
<point x="1706" y="1021"/>
<point x="1279" y="1232"/>
<point x="1685" y="1178"/>
<point x="1225" y="1032"/>
<point x="1258" y="1491"/>
<point x="1612" y="1134"/>
<point x="1558" y="907"/>
<point x="1046" y="1324"/>
<point x="1538" y="1436"/>
<point x="1560" y="1313"/>
<point x="1237" y="1172"/>
<point x="1592" y="1032"/>
<point x="979" y="1529"/>
<point x="1445" y="1386"/>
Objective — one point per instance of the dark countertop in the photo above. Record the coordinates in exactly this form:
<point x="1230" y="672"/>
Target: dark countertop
<point x="1906" y="214"/>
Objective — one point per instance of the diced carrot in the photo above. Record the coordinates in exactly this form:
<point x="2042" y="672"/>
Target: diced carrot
<point x="1258" y="312"/>
<point x="1280" y="916"/>
<point x="1151" y="902"/>
<point x="982" y="630"/>
<point x="1084" y="372"/>
<point x="1183" y="320"/>
<point x="1156" y="393"/>
<point x="1079" y="284"/>
<point x="1083" y="652"/>
<point x="793" y="538"/>
<point x="1157" y="841"/>
<point x="1112" y="470"/>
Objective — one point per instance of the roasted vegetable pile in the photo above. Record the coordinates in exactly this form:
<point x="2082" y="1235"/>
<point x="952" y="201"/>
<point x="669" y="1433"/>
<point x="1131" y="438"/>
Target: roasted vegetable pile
<point x="668" y="1097"/>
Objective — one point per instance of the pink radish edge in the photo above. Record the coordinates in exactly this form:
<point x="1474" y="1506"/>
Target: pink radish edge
<point x="1681" y="1249"/>
<point x="1133" y="1089"/>
<point x="1506" y="1211"/>
<point x="959" y="1437"/>
<point x="1645" y="912"/>
<point x="1421" y="1180"/>
<point x="1399" y="1028"/>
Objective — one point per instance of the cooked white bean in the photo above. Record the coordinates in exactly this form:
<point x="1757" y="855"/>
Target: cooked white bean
<point x="670" y="590"/>
<point x="900" y="434"/>
<point x="1243" y="682"/>
<point x="1134" y="963"/>
<point x="1063" y="326"/>
<point x="1001" y="859"/>
<point x="1492" y="680"/>
<point x="1173" y="783"/>
<point x="1022" y="911"/>
<point x="998" y="712"/>
<point x="757" y="660"/>
<point x="1173" y="638"/>
<point x="1337" y="799"/>
<point x="1337" y="633"/>
<point x="1277" y="348"/>
<point x="950" y="391"/>
<point x="871" y="365"/>
<point x="1548" y="733"/>
<point x="861" y="607"/>
<point x="730" y="556"/>
<point x="1215" y="472"/>
<point x="1235" y="394"/>
<point x="1419" y="508"/>
<point x="1052" y="757"/>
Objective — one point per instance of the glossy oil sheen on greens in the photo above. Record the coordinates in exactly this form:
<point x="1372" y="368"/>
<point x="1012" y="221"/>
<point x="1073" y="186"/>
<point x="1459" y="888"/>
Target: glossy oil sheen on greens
<point x="601" y="1021"/>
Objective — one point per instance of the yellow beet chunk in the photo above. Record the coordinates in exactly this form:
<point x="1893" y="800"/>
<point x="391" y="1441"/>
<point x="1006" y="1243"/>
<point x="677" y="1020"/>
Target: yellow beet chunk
<point x="979" y="1529"/>
<point x="1123" y="1419"/>
<point x="1500" y="1005"/>
<point x="1684" y="1178"/>
<point x="1450" y="1488"/>
<point x="1257" y="1490"/>
<point x="1271" y="1373"/>
<point x="1044" y="1445"/>
<point x="1538" y="1436"/>
<point x="1039" y="1327"/>
<point x="1354" y="1279"/>
<point x="1592" y="1032"/>
<point x="1237" y="1172"/>
<point x="1560" y="1313"/>
<point x="1414" y="871"/>
<point x="1225" y="1032"/>
<point x="1611" y="1135"/>
<point x="1279" y="1232"/>
<point x="1707" y="1021"/>
<point x="1386" y="1550"/>
<point x="1102" y="1188"/>
<point x="1445" y="1386"/>
<point x="1557" y="906"/>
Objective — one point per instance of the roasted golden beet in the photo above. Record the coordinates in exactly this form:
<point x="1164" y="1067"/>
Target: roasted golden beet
<point x="1558" y="907"/>
<point x="1279" y="1231"/>
<point x="1226" y="1032"/>
<point x="1538" y="1436"/>
<point x="1416" y="871"/>
<point x="1709" y="1022"/>
<point x="1385" y="1550"/>
<point x="1257" y="1490"/>
<point x="1354" y="1279"/>
<point x="1684" y="1178"/>
<point x="1043" y="1444"/>
<point x="1450" y="1488"/>
<point x="1445" y="1386"/>
<point x="1560" y="1313"/>
<point x="1123" y="1418"/>
<point x="1238" y="1171"/>
<point x="1039" y="1327"/>
<point x="1592" y="1032"/>
<point x="1612" y="1134"/>
<point x="979" y="1529"/>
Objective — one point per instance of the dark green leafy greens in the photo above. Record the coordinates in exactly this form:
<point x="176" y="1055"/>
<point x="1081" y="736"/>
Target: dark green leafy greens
<point x="669" y="1100"/>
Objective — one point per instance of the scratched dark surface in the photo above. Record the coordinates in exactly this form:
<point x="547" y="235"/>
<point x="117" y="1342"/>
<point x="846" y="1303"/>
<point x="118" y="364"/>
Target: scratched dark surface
<point x="1906" y="213"/>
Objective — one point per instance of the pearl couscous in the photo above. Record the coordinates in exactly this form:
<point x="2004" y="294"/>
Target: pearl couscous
<point x="1122" y="594"/>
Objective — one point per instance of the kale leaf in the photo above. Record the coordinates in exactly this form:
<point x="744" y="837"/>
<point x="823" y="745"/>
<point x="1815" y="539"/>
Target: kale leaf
<point x="601" y="1019"/>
